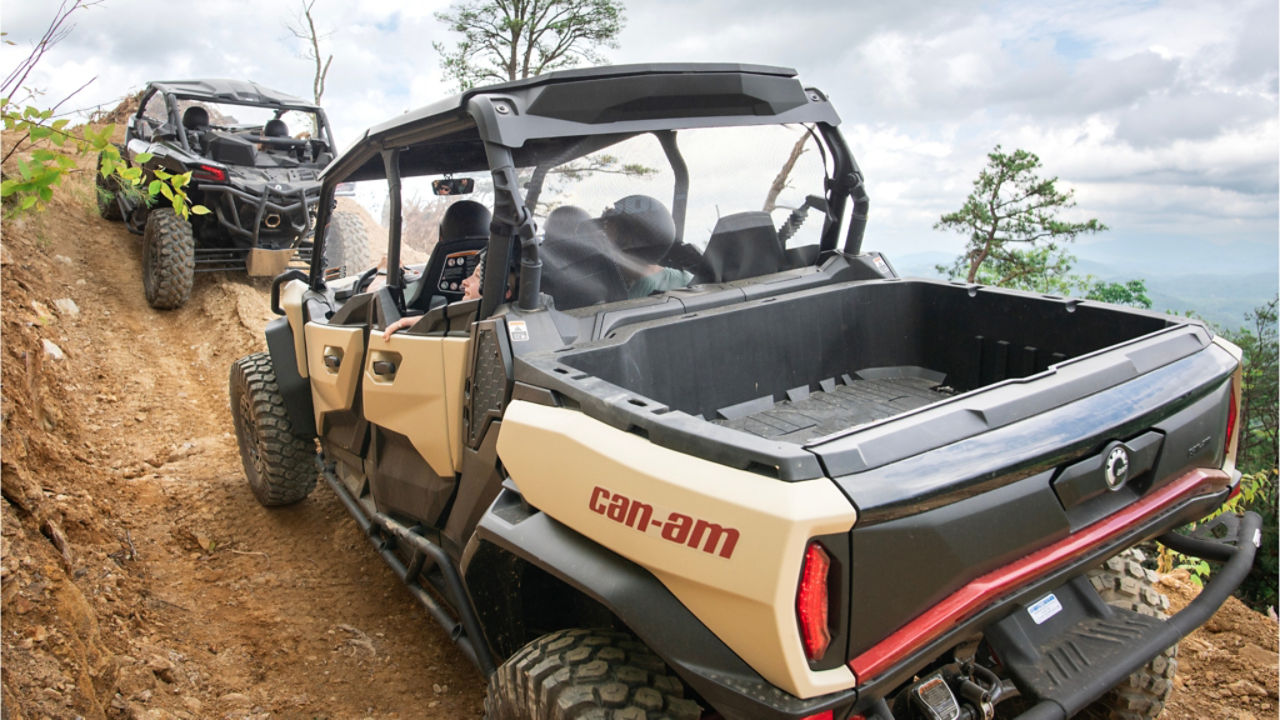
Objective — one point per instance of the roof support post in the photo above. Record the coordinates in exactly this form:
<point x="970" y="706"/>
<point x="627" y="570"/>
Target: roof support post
<point x="512" y="221"/>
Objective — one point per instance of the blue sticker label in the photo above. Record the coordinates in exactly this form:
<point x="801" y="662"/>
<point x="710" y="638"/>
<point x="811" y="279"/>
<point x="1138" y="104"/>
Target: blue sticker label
<point x="1044" y="608"/>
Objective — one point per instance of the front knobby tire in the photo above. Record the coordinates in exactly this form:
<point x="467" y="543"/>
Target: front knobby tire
<point x="1123" y="582"/>
<point x="579" y="674"/>
<point x="168" y="259"/>
<point x="279" y="465"/>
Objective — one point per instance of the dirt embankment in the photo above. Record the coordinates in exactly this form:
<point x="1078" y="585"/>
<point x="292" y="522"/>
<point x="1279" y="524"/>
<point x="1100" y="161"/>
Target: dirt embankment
<point x="141" y="580"/>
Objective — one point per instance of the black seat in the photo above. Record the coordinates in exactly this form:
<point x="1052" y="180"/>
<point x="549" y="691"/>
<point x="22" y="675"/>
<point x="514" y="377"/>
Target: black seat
<point x="275" y="127"/>
<point x="742" y="245"/>
<point x="578" y="265"/>
<point x="195" y="120"/>
<point x="464" y="232"/>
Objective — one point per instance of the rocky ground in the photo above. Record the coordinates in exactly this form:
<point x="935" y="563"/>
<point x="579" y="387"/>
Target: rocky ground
<point x="139" y="577"/>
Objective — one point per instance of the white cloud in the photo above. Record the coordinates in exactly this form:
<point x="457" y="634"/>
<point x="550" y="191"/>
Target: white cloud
<point x="1161" y="114"/>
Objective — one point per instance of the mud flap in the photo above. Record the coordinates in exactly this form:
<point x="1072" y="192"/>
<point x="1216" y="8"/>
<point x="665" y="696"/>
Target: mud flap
<point x="294" y="388"/>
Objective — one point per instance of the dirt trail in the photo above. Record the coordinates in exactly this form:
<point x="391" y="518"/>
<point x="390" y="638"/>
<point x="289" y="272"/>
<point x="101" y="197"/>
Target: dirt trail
<point x="205" y="603"/>
<point x="140" y="579"/>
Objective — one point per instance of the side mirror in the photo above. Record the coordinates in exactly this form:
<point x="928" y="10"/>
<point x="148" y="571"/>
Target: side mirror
<point x="453" y="186"/>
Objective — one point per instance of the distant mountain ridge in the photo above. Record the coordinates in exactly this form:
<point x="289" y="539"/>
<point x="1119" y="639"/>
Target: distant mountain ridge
<point x="1221" y="298"/>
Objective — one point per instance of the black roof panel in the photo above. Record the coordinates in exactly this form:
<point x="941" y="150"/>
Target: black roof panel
<point x="232" y="91"/>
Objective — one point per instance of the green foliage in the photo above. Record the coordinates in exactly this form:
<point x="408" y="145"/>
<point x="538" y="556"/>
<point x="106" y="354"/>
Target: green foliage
<point x="505" y="40"/>
<point x="1133" y="292"/>
<point x="47" y="150"/>
<point x="1256" y="453"/>
<point x="43" y="166"/>
<point x="1015" y="238"/>
<point x="1258" y="398"/>
<point x="1256" y="457"/>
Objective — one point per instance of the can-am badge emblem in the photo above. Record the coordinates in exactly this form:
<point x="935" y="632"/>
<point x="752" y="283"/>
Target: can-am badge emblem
<point x="1116" y="469"/>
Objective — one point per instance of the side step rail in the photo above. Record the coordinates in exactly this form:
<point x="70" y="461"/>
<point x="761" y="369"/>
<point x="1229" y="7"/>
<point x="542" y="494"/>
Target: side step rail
<point x="464" y="630"/>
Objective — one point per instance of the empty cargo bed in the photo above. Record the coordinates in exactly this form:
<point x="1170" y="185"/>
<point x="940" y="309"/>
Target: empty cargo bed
<point x="805" y="365"/>
<point x="837" y="404"/>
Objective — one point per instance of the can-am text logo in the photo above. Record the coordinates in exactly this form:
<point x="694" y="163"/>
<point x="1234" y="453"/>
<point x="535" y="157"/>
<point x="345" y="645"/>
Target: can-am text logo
<point x="709" y="537"/>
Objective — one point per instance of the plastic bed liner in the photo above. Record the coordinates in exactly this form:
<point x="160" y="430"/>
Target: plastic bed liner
<point x="838" y="404"/>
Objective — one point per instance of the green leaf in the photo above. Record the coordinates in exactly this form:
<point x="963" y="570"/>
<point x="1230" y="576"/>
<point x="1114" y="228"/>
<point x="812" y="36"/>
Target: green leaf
<point x="142" y="157"/>
<point x="200" y="210"/>
<point x="166" y="191"/>
<point x="28" y="201"/>
<point x="154" y="187"/>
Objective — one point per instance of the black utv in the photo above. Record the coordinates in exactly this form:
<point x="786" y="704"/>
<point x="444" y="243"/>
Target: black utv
<point x="255" y="157"/>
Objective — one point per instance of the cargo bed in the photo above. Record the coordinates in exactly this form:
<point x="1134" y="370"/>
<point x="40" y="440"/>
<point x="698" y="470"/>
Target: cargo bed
<point x="838" y="404"/>
<point x="754" y="382"/>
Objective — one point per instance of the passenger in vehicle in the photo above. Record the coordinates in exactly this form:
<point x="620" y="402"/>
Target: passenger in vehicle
<point x="470" y="291"/>
<point x="643" y="230"/>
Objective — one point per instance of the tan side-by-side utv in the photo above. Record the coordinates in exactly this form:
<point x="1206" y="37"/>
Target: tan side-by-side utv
<point x="653" y="436"/>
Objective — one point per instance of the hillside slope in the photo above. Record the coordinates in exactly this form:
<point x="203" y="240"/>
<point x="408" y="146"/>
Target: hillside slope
<point x="139" y="577"/>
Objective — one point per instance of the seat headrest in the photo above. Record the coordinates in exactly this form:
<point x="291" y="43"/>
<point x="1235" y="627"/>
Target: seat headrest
<point x="640" y="226"/>
<point x="275" y="127"/>
<point x="566" y="222"/>
<point x="465" y="218"/>
<point x="195" y="118"/>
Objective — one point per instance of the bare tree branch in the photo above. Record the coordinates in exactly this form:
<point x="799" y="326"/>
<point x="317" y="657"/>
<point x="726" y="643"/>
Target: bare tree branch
<point x="313" y="37"/>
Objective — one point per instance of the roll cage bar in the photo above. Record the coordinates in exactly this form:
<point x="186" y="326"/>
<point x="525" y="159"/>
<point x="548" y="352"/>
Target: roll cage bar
<point x="545" y="121"/>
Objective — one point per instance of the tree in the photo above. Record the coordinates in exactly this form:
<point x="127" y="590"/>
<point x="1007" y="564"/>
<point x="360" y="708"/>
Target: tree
<point x="504" y="40"/>
<point x="1256" y="453"/>
<point x="780" y="180"/>
<point x="313" y="52"/>
<point x="1132" y="292"/>
<point x="1011" y="219"/>
<point x="1258" y="406"/>
<point x="47" y="149"/>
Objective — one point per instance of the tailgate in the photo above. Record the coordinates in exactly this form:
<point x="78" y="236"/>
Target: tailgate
<point x="1107" y="453"/>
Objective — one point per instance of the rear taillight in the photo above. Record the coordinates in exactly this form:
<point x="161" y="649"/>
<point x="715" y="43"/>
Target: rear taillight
<point x="1232" y="413"/>
<point x="812" y="604"/>
<point x="825" y="715"/>
<point x="208" y="173"/>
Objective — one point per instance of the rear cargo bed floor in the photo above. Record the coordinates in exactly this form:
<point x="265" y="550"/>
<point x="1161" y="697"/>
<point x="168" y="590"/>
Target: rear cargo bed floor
<point x="839" y="404"/>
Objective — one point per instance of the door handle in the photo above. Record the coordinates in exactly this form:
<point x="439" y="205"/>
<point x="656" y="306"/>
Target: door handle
<point x="384" y="368"/>
<point x="333" y="362"/>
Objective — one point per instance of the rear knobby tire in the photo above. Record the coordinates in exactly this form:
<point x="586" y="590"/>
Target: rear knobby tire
<point x="346" y="244"/>
<point x="579" y="674"/>
<point x="279" y="465"/>
<point x="168" y="259"/>
<point x="1123" y="582"/>
<point x="106" y="189"/>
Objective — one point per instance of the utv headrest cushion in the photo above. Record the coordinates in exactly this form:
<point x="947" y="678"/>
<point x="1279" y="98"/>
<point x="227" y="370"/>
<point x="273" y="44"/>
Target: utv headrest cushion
<point x="275" y="127"/>
<point x="640" y="226"/>
<point x="464" y="219"/>
<point x="195" y="118"/>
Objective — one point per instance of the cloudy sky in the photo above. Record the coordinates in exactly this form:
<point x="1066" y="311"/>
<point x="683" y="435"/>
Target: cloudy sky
<point x="1162" y="115"/>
